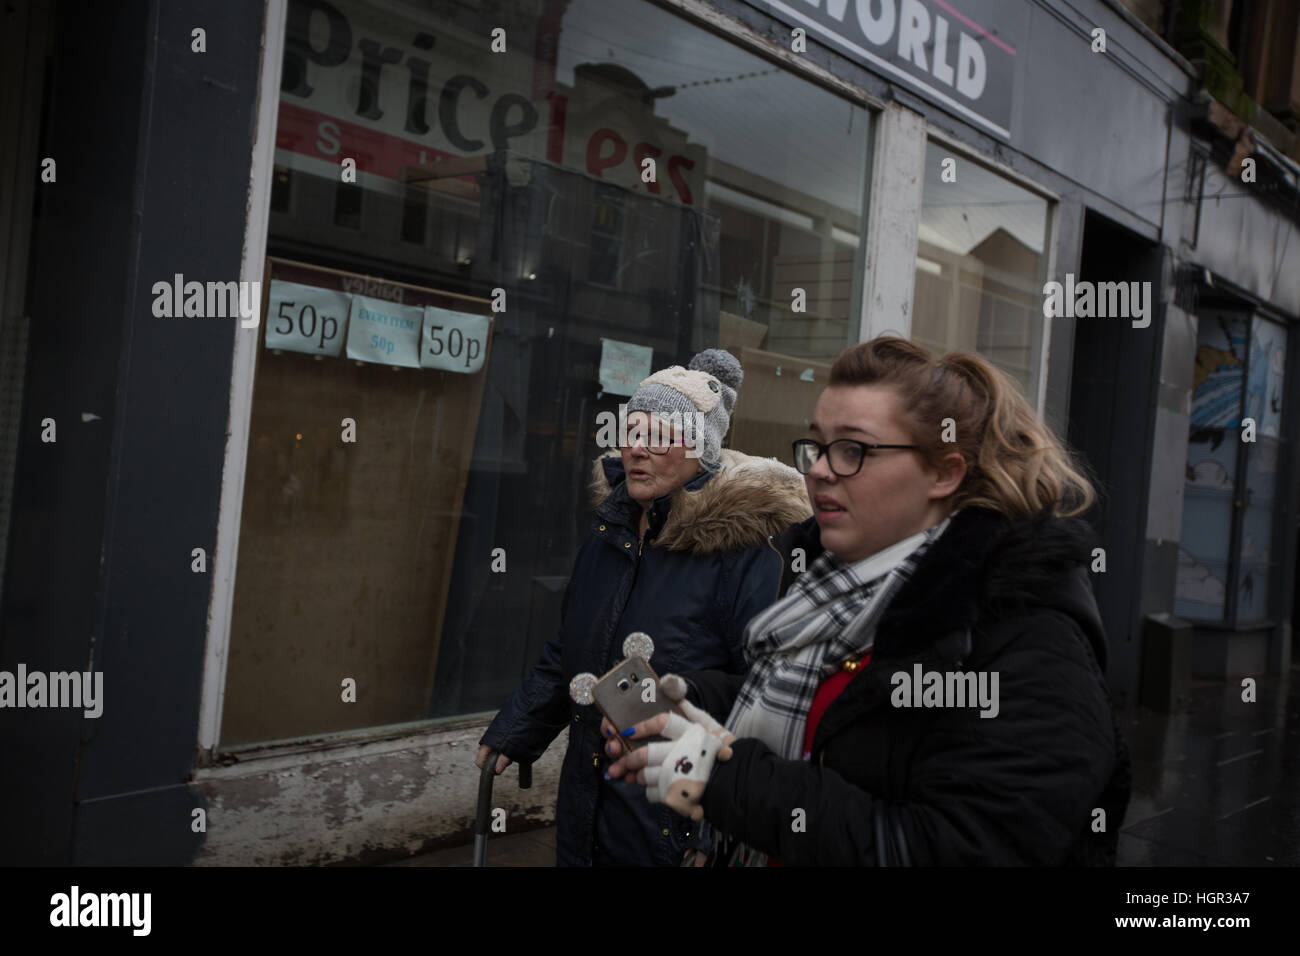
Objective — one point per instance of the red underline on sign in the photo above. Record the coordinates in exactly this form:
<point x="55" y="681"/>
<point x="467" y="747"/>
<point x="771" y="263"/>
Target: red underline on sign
<point x="975" y="26"/>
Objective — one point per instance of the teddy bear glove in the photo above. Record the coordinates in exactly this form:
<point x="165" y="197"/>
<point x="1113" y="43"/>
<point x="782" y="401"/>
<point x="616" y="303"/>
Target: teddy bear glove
<point x="677" y="769"/>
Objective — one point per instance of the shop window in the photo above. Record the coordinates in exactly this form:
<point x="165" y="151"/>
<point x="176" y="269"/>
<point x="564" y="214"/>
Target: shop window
<point x="1226" y="558"/>
<point x="347" y="205"/>
<point x="980" y="266"/>
<point x="415" y="217"/>
<point x="426" y="559"/>
<point x="606" y="237"/>
<point x="280" y="189"/>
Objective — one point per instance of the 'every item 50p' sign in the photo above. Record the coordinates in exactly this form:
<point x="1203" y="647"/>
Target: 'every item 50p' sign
<point x="454" y="341"/>
<point x="304" y="318"/>
<point x="384" y="332"/>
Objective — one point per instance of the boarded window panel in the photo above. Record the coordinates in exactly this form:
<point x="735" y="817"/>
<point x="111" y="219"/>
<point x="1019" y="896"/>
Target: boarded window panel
<point x="345" y="548"/>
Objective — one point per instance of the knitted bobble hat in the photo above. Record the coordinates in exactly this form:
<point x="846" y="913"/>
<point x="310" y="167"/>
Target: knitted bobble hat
<point x="705" y="388"/>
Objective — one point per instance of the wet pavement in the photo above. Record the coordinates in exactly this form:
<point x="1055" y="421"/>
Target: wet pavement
<point x="532" y="848"/>
<point x="1217" y="784"/>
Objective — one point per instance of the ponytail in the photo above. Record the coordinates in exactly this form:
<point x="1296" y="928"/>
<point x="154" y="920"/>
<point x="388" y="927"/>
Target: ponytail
<point x="1014" y="463"/>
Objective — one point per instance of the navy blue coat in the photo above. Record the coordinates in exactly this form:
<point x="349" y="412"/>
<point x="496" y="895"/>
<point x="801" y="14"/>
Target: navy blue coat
<point x="704" y="569"/>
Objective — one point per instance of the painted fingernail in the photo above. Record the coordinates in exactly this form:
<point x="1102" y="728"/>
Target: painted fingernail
<point x="629" y="732"/>
<point x="609" y="731"/>
<point x="607" y="776"/>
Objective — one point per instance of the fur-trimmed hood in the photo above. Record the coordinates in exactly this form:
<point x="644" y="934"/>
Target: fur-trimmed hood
<point x="745" y="501"/>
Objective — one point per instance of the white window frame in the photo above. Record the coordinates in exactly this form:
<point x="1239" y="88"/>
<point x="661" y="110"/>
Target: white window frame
<point x="257" y="224"/>
<point x="893" y="217"/>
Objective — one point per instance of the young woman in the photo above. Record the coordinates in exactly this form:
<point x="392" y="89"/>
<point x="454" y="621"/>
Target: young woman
<point x="676" y="550"/>
<point x="930" y="689"/>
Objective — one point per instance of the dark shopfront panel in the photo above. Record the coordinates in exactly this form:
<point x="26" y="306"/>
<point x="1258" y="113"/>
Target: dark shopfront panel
<point x="518" y="171"/>
<point x="99" y="572"/>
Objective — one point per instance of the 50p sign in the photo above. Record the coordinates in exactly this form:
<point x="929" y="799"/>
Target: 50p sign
<point x="305" y="318"/>
<point x="454" y="341"/>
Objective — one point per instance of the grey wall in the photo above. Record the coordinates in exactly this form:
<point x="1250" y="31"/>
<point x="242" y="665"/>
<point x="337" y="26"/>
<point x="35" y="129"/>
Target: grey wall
<point x="1074" y="111"/>
<point x="1248" y="241"/>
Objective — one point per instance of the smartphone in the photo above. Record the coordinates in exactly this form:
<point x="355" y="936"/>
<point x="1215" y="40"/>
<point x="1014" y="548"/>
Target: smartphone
<point x="621" y="693"/>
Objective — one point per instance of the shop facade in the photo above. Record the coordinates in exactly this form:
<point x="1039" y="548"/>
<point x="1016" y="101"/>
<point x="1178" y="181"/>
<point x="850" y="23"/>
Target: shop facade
<point x="336" y="539"/>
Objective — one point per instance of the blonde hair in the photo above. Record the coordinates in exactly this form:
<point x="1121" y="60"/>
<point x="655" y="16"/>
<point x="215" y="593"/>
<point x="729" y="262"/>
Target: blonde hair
<point x="1015" y="465"/>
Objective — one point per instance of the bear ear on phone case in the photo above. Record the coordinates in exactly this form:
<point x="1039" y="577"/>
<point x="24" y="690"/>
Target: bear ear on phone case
<point x="636" y="644"/>
<point x="629" y="693"/>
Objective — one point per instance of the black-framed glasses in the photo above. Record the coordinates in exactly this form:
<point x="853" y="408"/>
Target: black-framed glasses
<point x="660" y="447"/>
<point x="846" y="454"/>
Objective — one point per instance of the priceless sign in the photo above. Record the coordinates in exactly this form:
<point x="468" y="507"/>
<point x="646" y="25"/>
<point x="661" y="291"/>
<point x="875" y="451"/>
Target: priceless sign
<point x="403" y="91"/>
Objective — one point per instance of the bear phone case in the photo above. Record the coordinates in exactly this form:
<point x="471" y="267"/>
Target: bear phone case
<point x="621" y="694"/>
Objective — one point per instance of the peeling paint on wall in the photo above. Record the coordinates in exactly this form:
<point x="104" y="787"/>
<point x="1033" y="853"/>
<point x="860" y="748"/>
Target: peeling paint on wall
<point x="362" y="802"/>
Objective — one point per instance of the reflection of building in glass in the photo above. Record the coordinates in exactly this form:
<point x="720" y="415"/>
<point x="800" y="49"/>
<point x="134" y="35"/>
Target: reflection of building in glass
<point x="980" y="266"/>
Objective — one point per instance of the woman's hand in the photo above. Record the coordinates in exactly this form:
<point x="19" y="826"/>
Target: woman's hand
<point x="502" y="760"/>
<point x="630" y="765"/>
<point x="673" y="771"/>
<point x="672" y="687"/>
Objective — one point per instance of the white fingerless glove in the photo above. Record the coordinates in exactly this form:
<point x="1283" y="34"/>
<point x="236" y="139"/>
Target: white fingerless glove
<point x="677" y="769"/>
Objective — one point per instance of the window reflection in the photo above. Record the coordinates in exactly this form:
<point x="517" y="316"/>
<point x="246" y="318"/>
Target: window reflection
<point x="524" y="171"/>
<point x="980" y="266"/>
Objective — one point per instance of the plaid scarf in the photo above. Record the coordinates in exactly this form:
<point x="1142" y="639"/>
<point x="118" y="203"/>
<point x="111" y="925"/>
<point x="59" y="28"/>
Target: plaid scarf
<point x="828" y="616"/>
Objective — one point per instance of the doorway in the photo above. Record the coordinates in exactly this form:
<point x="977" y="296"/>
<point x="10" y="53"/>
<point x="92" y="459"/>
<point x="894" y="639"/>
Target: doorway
<point x="1111" y="422"/>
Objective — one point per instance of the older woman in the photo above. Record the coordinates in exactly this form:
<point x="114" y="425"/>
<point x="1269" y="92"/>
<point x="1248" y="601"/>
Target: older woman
<point x="930" y="690"/>
<point x="678" y="549"/>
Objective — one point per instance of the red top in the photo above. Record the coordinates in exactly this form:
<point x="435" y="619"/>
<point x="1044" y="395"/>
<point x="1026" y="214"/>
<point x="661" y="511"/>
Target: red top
<point x="830" y="688"/>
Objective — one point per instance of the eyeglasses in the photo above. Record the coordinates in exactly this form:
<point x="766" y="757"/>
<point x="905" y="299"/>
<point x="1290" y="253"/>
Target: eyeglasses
<point x="660" y="447"/>
<point x="846" y="455"/>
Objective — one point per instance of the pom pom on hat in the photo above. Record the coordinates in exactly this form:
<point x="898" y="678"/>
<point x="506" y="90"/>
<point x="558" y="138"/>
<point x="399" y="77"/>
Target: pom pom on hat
<point x="721" y="364"/>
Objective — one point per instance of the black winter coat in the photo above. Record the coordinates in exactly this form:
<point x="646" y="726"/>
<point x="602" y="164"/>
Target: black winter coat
<point x="891" y="785"/>
<point x="705" y="568"/>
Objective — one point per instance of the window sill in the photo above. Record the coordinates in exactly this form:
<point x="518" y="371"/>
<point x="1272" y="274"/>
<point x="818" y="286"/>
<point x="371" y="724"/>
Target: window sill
<point x="329" y="746"/>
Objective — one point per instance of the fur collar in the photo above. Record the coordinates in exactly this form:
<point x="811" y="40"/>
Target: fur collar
<point x="740" y="505"/>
